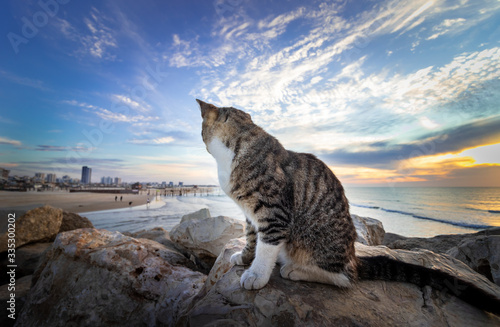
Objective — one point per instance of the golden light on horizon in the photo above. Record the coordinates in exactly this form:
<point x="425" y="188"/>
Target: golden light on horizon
<point x="422" y="169"/>
<point x="487" y="154"/>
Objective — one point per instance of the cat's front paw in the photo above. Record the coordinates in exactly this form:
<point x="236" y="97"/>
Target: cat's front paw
<point x="237" y="259"/>
<point x="252" y="280"/>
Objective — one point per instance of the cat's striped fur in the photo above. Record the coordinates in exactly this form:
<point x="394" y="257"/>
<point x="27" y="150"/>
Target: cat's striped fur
<point x="295" y="207"/>
<point x="297" y="213"/>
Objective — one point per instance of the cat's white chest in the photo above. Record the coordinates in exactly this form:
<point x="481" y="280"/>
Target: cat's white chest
<point x="224" y="157"/>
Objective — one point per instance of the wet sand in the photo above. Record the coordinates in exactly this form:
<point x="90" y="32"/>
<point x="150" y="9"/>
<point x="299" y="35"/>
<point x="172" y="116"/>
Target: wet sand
<point x="72" y="202"/>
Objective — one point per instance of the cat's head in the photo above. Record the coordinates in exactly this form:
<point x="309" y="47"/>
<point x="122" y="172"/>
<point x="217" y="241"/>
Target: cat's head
<point x="223" y="123"/>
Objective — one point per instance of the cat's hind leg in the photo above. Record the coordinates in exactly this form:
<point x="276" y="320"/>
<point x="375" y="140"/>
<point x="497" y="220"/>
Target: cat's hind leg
<point x="313" y="273"/>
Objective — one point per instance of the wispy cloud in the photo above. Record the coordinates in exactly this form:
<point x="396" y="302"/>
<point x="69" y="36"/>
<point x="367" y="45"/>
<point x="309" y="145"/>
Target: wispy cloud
<point x="156" y="141"/>
<point x="58" y="148"/>
<point x="25" y="81"/>
<point x="7" y="141"/>
<point x="123" y="116"/>
<point x="96" y="39"/>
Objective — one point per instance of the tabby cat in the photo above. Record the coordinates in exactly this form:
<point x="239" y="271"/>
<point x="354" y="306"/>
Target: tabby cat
<point x="295" y="207"/>
<point x="297" y="213"/>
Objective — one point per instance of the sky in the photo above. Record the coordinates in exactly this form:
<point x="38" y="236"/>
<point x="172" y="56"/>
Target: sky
<point x="386" y="93"/>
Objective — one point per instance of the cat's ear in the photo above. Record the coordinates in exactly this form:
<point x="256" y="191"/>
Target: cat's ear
<point x="208" y="110"/>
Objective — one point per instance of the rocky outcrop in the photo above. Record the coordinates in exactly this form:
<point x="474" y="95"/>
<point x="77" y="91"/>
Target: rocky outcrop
<point x="37" y="225"/>
<point x="95" y="277"/>
<point x="42" y="225"/>
<point x="480" y="251"/>
<point x="222" y="301"/>
<point x="157" y="234"/>
<point x="204" y="237"/>
<point x="73" y="221"/>
<point x="370" y="231"/>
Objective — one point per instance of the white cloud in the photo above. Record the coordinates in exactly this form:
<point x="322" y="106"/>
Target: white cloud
<point x="144" y="107"/>
<point x="445" y="27"/>
<point x="121" y="116"/>
<point x="7" y="141"/>
<point x="97" y="41"/>
<point x="156" y="141"/>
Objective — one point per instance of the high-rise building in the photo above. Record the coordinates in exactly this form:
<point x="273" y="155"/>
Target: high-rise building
<point x="86" y="175"/>
<point x="181" y="184"/>
<point x="4" y="173"/>
<point x="51" y="178"/>
<point x="40" y="177"/>
<point x="118" y="181"/>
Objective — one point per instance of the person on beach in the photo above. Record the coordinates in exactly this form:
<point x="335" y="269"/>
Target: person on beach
<point x="121" y="198"/>
<point x="116" y="198"/>
<point x="147" y="203"/>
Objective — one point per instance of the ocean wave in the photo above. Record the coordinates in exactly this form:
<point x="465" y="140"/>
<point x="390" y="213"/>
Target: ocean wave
<point x="484" y="210"/>
<point x="449" y="222"/>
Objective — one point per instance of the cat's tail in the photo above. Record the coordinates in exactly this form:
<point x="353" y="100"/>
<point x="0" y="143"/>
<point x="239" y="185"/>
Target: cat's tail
<point x="475" y="290"/>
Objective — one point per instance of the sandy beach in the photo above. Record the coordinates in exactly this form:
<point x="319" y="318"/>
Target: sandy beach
<point x="73" y="202"/>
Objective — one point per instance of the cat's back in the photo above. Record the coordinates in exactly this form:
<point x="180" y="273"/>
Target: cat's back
<point x="315" y="186"/>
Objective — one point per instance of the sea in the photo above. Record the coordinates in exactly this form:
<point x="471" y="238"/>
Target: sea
<point x="412" y="212"/>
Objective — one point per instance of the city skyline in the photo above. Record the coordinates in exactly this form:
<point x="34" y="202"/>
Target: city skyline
<point x="386" y="93"/>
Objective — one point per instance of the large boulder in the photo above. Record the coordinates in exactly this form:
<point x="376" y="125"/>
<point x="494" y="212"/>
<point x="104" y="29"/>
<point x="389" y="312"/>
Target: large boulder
<point x="205" y="237"/>
<point x="73" y="221"/>
<point x="222" y="301"/>
<point x="478" y="250"/>
<point x="370" y="231"/>
<point x="481" y="253"/>
<point x="101" y="278"/>
<point x="37" y="225"/>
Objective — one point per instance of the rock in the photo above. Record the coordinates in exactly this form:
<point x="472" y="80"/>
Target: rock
<point x="200" y="214"/>
<point x="204" y="237"/>
<point x="222" y="301"/>
<point x="157" y="234"/>
<point x="370" y="231"/>
<point x="37" y="225"/>
<point x="73" y="221"/>
<point x="27" y="259"/>
<point x="160" y="235"/>
<point x="476" y="250"/>
<point x="95" y="277"/>
<point x="481" y="253"/>
<point x="22" y="287"/>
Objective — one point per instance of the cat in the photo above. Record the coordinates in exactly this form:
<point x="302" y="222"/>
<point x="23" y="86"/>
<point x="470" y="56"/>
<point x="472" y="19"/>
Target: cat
<point x="296" y="210"/>
<point x="297" y="214"/>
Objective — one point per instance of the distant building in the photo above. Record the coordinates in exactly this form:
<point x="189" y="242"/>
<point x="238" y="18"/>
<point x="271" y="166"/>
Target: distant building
<point x="163" y="184"/>
<point x="171" y="184"/>
<point x="39" y="177"/>
<point x="106" y="180"/>
<point x="181" y="184"/>
<point x="51" y="178"/>
<point x="4" y="173"/>
<point x="118" y="181"/>
<point x="86" y="175"/>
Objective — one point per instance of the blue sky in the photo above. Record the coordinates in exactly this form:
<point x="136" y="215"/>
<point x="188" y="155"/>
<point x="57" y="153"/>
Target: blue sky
<point x="403" y="93"/>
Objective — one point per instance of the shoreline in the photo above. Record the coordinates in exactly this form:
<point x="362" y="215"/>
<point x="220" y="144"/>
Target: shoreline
<point x="78" y="202"/>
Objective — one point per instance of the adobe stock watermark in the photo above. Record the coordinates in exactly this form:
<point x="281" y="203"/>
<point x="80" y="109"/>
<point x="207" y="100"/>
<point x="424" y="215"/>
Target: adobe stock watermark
<point x="31" y="27"/>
